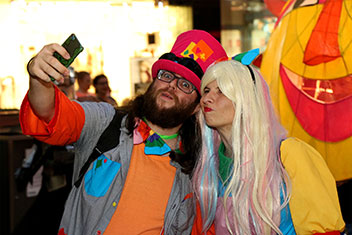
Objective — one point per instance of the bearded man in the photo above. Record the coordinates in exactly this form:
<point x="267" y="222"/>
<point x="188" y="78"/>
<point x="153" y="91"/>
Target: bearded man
<point x="142" y="185"/>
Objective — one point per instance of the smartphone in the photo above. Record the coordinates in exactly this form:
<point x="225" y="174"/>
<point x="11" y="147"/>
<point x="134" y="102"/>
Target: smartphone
<point x="73" y="47"/>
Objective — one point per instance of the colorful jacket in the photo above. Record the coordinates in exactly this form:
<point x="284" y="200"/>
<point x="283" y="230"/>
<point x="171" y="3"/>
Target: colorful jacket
<point x="82" y="124"/>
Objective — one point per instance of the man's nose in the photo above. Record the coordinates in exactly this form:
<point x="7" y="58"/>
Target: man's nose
<point x="173" y="84"/>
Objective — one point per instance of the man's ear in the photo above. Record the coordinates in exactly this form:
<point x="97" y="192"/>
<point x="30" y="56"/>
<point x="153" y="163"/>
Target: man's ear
<point x="196" y="109"/>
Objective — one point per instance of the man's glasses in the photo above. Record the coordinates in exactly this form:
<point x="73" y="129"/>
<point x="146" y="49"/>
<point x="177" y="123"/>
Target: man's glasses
<point x="184" y="85"/>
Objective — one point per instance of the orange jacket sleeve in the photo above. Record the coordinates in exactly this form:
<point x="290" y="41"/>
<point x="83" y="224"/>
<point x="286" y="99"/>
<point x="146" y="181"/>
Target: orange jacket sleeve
<point x="64" y="128"/>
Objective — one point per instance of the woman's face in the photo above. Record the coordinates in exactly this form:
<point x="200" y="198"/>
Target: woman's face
<point x="102" y="87"/>
<point x="218" y="110"/>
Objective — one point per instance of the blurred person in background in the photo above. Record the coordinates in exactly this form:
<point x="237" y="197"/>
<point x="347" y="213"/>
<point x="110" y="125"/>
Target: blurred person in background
<point x="102" y="90"/>
<point x="67" y="87"/>
<point x="84" y="81"/>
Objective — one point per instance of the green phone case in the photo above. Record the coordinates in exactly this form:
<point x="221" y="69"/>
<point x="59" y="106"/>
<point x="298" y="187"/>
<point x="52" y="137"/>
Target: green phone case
<point x="73" y="47"/>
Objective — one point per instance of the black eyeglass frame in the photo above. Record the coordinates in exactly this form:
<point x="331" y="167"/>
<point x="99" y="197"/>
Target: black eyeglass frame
<point x="179" y="79"/>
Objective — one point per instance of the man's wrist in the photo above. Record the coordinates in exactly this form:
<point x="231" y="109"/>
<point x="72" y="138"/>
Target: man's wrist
<point x="28" y="64"/>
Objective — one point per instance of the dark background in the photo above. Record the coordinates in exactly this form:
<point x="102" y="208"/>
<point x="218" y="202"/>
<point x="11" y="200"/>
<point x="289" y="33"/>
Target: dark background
<point x="206" y="14"/>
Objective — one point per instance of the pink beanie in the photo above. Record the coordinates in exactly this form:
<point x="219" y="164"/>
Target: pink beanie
<point x="197" y="45"/>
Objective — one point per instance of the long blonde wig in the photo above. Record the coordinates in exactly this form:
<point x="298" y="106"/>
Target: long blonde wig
<point x="257" y="176"/>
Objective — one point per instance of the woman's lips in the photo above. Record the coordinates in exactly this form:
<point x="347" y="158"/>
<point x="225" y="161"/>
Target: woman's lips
<point x="206" y="109"/>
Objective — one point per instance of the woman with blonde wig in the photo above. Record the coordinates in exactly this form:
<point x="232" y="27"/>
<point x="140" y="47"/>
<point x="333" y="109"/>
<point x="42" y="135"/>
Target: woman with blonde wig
<point x="251" y="178"/>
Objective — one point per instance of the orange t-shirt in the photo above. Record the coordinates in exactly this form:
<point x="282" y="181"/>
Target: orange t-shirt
<point x="145" y="195"/>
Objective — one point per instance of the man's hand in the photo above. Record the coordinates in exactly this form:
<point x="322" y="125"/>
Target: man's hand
<point x="44" y="65"/>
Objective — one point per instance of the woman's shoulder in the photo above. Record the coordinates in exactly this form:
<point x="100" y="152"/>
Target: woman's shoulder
<point x="297" y="153"/>
<point x="303" y="163"/>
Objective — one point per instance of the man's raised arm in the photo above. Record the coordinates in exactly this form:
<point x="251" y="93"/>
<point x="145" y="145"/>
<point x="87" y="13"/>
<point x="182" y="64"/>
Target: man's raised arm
<point x="44" y="65"/>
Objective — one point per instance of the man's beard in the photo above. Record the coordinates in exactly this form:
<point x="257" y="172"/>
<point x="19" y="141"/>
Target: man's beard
<point x="166" y="117"/>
